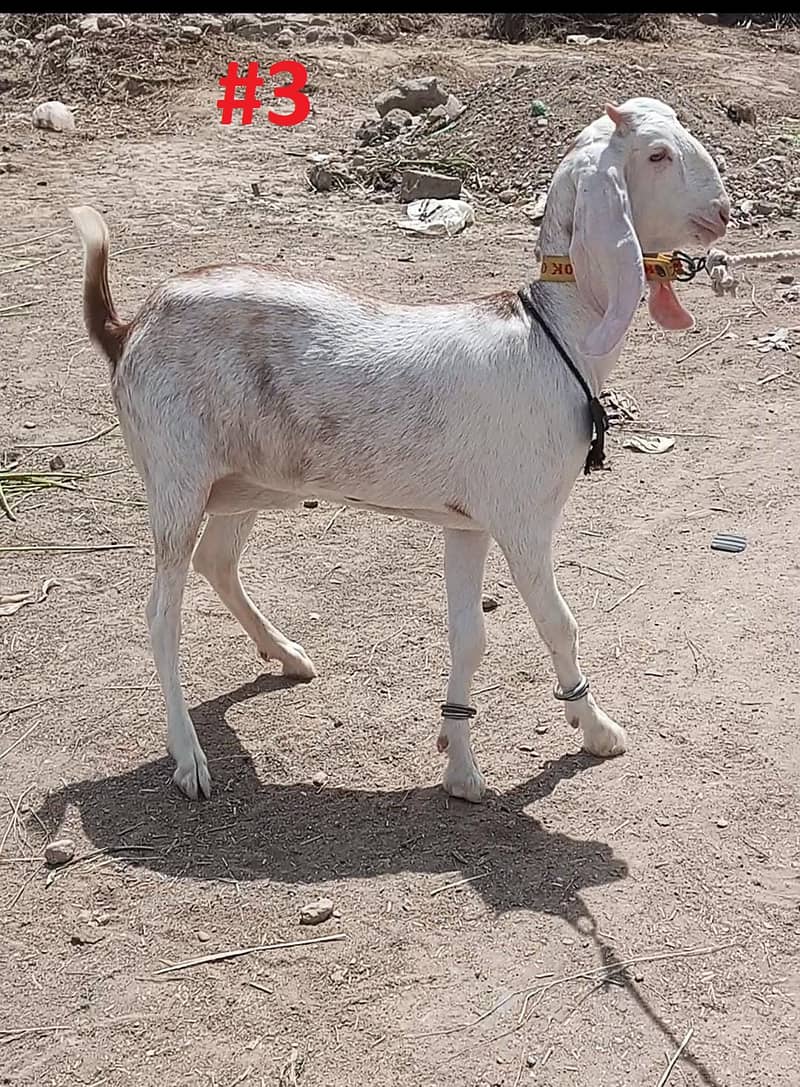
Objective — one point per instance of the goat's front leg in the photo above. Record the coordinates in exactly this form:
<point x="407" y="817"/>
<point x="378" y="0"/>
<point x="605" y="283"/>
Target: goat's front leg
<point x="531" y="565"/>
<point x="464" y="560"/>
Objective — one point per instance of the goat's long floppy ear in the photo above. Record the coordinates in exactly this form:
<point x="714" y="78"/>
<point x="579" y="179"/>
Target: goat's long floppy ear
<point x="606" y="256"/>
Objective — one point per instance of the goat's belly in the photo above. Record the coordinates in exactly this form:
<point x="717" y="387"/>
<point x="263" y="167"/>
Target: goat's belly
<point x="237" y="494"/>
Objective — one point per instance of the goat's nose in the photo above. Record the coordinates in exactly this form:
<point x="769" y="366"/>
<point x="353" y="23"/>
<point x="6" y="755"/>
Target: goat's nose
<point x="723" y="208"/>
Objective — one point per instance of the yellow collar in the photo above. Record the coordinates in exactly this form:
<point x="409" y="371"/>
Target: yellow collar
<point x="662" y="266"/>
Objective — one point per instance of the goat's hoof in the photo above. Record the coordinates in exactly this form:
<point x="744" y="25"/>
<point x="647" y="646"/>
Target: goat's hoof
<point x="467" y="784"/>
<point x="297" y="664"/>
<point x="193" y="778"/>
<point x="603" y="737"/>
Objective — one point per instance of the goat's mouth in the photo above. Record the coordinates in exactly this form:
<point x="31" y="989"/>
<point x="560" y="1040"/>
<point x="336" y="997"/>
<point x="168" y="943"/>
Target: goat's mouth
<point x="707" y="231"/>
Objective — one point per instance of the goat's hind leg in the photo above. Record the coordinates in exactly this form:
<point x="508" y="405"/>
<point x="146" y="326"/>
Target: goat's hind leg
<point x="174" y="526"/>
<point x="217" y="559"/>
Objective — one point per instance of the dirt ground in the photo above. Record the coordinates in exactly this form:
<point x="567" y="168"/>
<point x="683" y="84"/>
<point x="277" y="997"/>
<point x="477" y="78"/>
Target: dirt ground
<point x="683" y="855"/>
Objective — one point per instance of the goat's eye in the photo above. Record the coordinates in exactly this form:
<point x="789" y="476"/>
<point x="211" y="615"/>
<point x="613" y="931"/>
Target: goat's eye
<point x="659" y="156"/>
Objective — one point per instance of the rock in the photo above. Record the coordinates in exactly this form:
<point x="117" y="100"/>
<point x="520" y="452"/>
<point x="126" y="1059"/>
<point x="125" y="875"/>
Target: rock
<point x="319" y="779"/>
<point x="792" y="295"/>
<point x="348" y="38"/>
<point x="541" y="122"/>
<point x="191" y="33"/>
<point x="273" y="26"/>
<point x="203" y="936"/>
<point x="312" y="35"/>
<point x="332" y="37"/>
<point x="310" y="503"/>
<point x="59" y="851"/>
<point x="765" y="208"/>
<point x="419" y="185"/>
<point x="394" y="122"/>
<point x="110" y="22"/>
<point x="369" y="132"/>
<point x="722" y="823"/>
<point x="541" y="729"/>
<point x="285" y="39"/>
<point x="54" y="117"/>
<point x="786" y="280"/>
<point x="316" y="912"/>
<point x="60" y="43"/>
<point x="414" y="95"/>
<point x="508" y="196"/>
<point x="722" y="162"/>
<point x="489" y="603"/>
<point x="320" y="177"/>
<point x="384" y="35"/>
<point x="85" y="937"/>
<point x="56" y="463"/>
<point x="406" y="23"/>
<point x="210" y="24"/>
<point x="245" y="24"/>
<point x="55" y="31"/>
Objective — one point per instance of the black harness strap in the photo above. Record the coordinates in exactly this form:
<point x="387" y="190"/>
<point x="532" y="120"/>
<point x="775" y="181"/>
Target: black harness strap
<point x="597" y="454"/>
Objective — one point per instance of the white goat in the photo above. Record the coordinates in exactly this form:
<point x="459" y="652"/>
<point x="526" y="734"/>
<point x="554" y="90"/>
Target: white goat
<point x="238" y="391"/>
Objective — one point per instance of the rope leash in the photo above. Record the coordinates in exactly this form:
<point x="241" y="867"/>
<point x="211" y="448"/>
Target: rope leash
<point x="721" y="266"/>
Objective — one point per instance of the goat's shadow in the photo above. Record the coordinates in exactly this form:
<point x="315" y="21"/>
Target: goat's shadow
<point x="298" y="833"/>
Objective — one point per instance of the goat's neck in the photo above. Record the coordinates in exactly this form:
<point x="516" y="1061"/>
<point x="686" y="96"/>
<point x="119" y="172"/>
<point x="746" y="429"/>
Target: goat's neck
<point x="569" y="315"/>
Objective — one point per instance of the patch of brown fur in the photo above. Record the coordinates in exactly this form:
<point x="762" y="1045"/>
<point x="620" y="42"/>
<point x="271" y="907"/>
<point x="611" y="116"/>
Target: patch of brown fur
<point x="503" y="304"/>
<point x="103" y="323"/>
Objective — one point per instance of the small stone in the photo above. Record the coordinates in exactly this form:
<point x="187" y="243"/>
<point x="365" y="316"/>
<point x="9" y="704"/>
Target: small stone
<point x="348" y="38"/>
<point x="508" y="196"/>
<point x="55" y="31"/>
<point x="88" y="25"/>
<point x="285" y="39"/>
<point x="319" y="779"/>
<point x="59" y="851"/>
<point x="210" y="23"/>
<point x="394" y="122"/>
<point x="110" y="22"/>
<point x="541" y="729"/>
<point x="722" y="823"/>
<point x="419" y="185"/>
<point x="414" y="95"/>
<point x="312" y="35"/>
<point x="638" y="976"/>
<point x="29" y="424"/>
<point x="310" y="503"/>
<point x="489" y="603"/>
<point x="203" y="936"/>
<point x="191" y="33"/>
<point x="541" y="122"/>
<point x="315" y="913"/>
<point x="786" y="279"/>
<point x="53" y="117"/>
<point x="85" y="937"/>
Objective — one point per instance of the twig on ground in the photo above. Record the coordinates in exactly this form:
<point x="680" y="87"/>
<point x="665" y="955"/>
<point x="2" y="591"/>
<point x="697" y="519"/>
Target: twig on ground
<point x="627" y="596"/>
<point x="703" y="346"/>
<point x="544" y="987"/>
<point x="594" y="569"/>
<point x="458" y="883"/>
<point x="32" y="263"/>
<point x="221" y="956"/>
<point x="53" y="549"/>
<point x="670" y="1067"/>
<point x="19" y="739"/>
<point x="22" y="242"/>
<point x="329" y="525"/>
<point x="13" y="311"/>
<point x="93" y="854"/>
<point x="76" y="441"/>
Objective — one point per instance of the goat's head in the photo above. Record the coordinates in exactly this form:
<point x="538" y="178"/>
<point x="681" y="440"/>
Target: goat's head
<point x="641" y="183"/>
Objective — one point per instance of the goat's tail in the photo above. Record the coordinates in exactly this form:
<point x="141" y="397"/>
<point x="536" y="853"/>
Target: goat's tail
<point x="104" y="325"/>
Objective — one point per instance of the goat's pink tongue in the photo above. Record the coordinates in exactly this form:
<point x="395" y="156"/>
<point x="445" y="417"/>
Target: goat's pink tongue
<point x="666" y="309"/>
